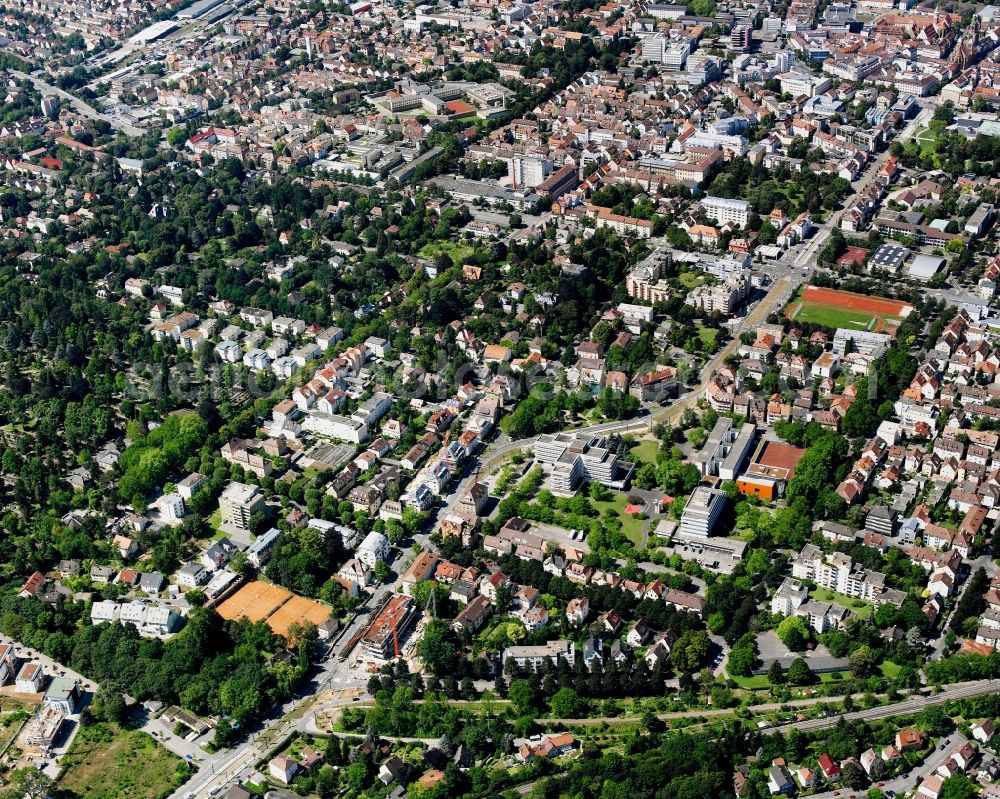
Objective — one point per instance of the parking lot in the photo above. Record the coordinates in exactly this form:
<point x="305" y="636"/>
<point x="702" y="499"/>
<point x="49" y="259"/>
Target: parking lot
<point x="772" y="649"/>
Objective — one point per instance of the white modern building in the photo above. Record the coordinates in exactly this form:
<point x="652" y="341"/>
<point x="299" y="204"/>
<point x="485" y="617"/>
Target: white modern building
<point x="724" y="297"/>
<point x="837" y="572"/>
<point x="373" y="549"/>
<point x="789" y="597"/>
<point x="171" y="507"/>
<point x="259" y="551"/>
<point x="723" y="209"/>
<point x="333" y="425"/>
<point x="672" y="53"/>
<point x="238" y="503"/>
<point x="534" y="656"/>
<point x="702" y="511"/>
<point x="572" y="459"/>
<point x="726" y="450"/>
<point x="528" y="172"/>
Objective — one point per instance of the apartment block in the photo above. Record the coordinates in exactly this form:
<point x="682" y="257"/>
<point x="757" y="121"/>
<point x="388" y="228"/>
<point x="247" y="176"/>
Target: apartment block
<point x="726" y="450"/>
<point x="723" y="209"/>
<point x="837" y="572"/>
<point x="238" y="503"/>
<point x="724" y="297"/>
<point x="534" y="656"/>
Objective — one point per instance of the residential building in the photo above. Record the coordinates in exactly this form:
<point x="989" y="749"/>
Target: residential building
<point x="259" y="551"/>
<point x="373" y="549"/>
<point x="837" y="572"/>
<point x="723" y="209"/>
<point x="63" y="695"/>
<point x="30" y="679"/>
<point x="382" y="637"/>
<point x="238" y="503"/>
<point x="532" y="656"/>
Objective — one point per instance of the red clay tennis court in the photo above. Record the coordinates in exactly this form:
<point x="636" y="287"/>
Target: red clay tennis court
<point x="297" y="610"/>
<point x="280" y="608"/>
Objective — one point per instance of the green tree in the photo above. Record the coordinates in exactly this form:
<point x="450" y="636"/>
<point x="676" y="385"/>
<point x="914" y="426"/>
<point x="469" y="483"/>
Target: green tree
<point x="793" y="632"/>
<point x="743" y="656"/>
<point x="767" y="234"/>
<point x="522" y="697"/>
<point x="27" y="783"/>
<point x="853" y="776"/>
<point x="567" y="704"/>
<point x="776" y="674"/>
<point x="721" y="696"/>
<point x="863" y="661"/>
<point x="958" y="786"/>
<point x="176" y="137"/>
<point x="109" y="705"/>
<point x="437" y="649"/>
<point x="690" y="651"/>
<point x="799" y="672"/>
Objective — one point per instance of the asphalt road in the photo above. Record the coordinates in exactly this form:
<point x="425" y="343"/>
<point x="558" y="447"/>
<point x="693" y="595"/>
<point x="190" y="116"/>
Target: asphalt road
<point x="78" y="105"/>
<point x="904" y="782"/>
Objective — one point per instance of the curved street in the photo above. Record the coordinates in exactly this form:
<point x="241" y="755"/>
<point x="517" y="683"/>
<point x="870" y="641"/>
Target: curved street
<point x="78" y="105"/>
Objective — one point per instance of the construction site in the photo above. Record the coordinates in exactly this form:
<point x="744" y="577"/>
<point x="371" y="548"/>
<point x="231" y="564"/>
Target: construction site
<point x="381" y="639"/>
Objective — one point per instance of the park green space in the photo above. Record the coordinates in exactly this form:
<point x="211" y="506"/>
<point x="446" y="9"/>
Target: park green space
<point x="645" y="451"/>
<point x="630" y="526"/>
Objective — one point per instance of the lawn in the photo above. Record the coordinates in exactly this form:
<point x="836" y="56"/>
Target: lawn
<point x="834" y="676"/>
<point x="631" y="527"/>
<point x="691" y="279"/>
<point x="889" y="669"/>
<point x="645" y="451"/>
<point x="927" y="139"/>
<point x="793" y="192"/>
<point x="708" y="335"/>
<point x="108" y="762"/>
<point x="506" y="632"/>
<point x="835" y="309"/>
<point x="831" y="317"/>
<point x="13" y="714"/>
<point x="457" y="252"/>
<point x="215" y="522"/>
<point x="858" y="607"/>
<point x="758" y="682"/>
